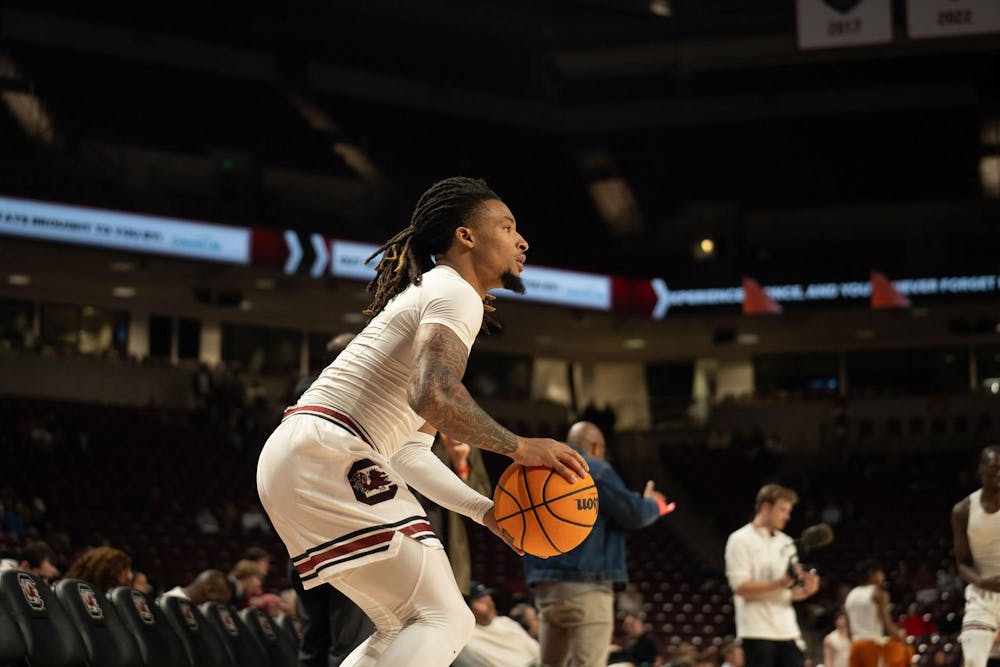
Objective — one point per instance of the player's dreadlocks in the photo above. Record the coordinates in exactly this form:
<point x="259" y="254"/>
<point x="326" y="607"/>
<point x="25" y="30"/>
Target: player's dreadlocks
<point x="406" y="256"/>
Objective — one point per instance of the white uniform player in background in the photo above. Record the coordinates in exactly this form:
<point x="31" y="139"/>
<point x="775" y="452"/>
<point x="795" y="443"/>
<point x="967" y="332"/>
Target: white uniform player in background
<point x="975" y="524"/>
<point x="333" y="476"/>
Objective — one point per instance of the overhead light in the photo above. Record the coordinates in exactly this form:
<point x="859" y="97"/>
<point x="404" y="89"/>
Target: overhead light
<point x="123" y="291"/>
<point x="264" y="283"/>
<point x="660" y="7"/>
<point x="747" y="339"/>
<point x="634" y="343"/>
<point x="989" y="176"/>
<point x="122" y="266"/>
<point x="19" y="280"/>
<point x="354" y="317"/>
<point x="704" y="249"/>
<point x="989" y="133"/>
<point x="246" y="304"/>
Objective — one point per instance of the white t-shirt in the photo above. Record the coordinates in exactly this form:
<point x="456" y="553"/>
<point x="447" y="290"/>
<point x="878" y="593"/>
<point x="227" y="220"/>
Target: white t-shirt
<point x="504" y="643"/>
<point x="368" y="380"/>
<point x="754" y="554"/>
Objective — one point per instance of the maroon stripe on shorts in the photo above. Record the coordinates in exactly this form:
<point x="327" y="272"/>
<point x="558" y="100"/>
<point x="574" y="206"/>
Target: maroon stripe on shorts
<point x="339" y="418"/>
<point x="342" y="550"/>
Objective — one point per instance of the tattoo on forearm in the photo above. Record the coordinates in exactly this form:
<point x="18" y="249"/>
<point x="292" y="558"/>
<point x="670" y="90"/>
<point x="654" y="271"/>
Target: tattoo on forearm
<point x="443" y="400"/>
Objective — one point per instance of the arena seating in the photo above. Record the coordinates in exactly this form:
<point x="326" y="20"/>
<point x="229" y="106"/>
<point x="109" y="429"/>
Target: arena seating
<point x="892" y="508"/>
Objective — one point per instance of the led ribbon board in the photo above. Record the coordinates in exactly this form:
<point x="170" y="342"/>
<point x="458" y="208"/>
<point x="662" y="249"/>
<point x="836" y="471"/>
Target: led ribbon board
<point x="79" y="225"/>
<point x="543" y="285"/>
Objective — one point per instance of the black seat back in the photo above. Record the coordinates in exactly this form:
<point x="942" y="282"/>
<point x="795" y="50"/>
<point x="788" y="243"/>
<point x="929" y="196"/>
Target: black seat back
<point x="203" y="644"/>
<point x="269" y="635"/>
<point x="50" y="639"/>
<point x="159" y="645"/>
<point x="291" y="631"/>
<point x="243" y="648"/>
<point x="11" y="642"/>
<point x="106" y="640"/>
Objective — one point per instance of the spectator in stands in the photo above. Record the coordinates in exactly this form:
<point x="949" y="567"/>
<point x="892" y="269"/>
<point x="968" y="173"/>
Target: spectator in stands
<point x="915" y="623"/>
<point x="206" y="521"/>
<point x="837" y="644"/>
<point x="244" y="583"/>
<point x="229" y="518"/>
<point x="260" y="556"/>
<point x="732" y="655"/>
<point x="574" y="592"/>
<point x="948" y="581"/>
<point x="640" y="648"/>
<point x="629" y="599"/>
<point x="140" y="582"/>
<point x="253" y="521"/>
<point x="290" y="598"/>
<point x="527" y="617"/>
<point x="759" y="566"/>
<point x="272" y="605"/>
<point x="104" y="567"/>
<point x="37" y="560"/>
<point x="497" y="641"/>
<point x="208" y="586"/>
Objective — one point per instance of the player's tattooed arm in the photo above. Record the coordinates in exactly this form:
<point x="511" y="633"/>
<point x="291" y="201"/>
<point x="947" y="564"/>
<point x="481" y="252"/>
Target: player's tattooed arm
<point x="437" y="394"/>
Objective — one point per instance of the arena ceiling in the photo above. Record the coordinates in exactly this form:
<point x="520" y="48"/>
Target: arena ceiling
<point x="620" y="138"/>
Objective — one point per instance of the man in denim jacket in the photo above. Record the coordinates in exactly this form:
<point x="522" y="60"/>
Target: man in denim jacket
<point x="574" y="592"/>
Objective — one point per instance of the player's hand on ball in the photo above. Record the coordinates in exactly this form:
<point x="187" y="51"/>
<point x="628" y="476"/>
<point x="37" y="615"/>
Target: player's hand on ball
<point x="490" y="521"/>
<point x="547" y="452"/>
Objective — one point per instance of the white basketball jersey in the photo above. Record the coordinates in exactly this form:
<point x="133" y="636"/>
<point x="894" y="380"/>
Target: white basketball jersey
<point x="862" y="613"/>
<point x="368" y="380"/>
<point x="984" y="537"/>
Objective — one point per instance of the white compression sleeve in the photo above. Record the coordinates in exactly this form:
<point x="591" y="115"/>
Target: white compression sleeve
<point x="428" y="475"/>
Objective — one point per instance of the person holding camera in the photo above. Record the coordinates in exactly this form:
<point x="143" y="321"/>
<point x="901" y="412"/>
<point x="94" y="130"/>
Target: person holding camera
<point x="766" y="578"/>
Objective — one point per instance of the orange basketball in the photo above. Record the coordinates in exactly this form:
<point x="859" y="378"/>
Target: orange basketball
<point x="543" y="514"/>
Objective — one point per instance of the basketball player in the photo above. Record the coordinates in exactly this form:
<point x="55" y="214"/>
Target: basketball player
<point x="975" y="525"/>
<point x="874" y="636"/>
<point x="333" y="475"/>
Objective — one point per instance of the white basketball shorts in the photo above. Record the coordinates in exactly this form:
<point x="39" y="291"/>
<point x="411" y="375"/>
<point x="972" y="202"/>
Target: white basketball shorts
<point x="334" y="500"/>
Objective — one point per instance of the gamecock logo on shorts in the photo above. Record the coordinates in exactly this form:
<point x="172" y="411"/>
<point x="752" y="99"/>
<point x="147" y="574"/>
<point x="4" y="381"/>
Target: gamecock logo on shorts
<point x="371" y="484"/>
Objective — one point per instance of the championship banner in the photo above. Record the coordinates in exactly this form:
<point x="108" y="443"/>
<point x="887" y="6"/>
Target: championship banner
<point x="946" y="18"/>
<point x="828" y="24"/>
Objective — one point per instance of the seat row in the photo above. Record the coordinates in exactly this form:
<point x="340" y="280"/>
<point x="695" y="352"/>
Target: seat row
<point x="74" y="624"/>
